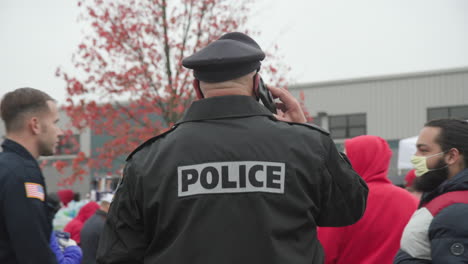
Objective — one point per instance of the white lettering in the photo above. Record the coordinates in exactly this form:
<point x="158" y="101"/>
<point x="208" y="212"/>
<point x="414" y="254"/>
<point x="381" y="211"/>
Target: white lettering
<point x="231" y="177"/>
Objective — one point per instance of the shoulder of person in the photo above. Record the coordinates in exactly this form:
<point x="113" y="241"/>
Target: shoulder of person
<point x="28" y="186"/>
<point x="311" y="126"/>
<point x="9" y="164"/>
<point x="17" y="164"/>
<point x="150" y="141"/>
<point x="10" y="160"/>
<point x="450" y="212"/>
<point x="448" y="234"/>
<point x="453" y="216"/>
<point x="27" y="170"/>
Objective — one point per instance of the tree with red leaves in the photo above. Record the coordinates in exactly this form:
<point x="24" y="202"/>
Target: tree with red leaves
<point x="128" y="82"/>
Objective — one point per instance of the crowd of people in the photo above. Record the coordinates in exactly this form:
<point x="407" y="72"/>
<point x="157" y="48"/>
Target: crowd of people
<point x="237" y="182"/>
<point x="77" y="225"/>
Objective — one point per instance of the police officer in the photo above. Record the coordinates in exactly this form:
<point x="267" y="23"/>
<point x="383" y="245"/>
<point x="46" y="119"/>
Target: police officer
<point x="231" y="182"/>
<point x="30" y="117"/>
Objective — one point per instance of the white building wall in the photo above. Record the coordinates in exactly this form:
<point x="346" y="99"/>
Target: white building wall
<point x="396" y="106"/>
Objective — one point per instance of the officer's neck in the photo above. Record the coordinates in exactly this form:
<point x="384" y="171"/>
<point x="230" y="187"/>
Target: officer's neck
<point x="226" y="91"/>
<point x="241" y="86"/>
<point x="28" y="142"/>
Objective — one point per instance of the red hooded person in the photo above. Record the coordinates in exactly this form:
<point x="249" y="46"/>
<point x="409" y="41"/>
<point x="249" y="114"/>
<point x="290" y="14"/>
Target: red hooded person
<point x="376" y="237"/>
<point x="74" y="226"/>
<point x="65" y="196"/>
<point x="409" y="178"/>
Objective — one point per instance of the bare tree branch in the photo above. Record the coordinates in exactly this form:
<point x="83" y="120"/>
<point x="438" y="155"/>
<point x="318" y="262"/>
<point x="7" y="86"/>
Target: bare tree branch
<point x="185" y="35"/>
<point x="166" y="43"/>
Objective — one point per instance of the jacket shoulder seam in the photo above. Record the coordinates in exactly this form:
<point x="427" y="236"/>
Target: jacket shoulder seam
<point x="311" y="126"/>
<point x="149" y="142"/>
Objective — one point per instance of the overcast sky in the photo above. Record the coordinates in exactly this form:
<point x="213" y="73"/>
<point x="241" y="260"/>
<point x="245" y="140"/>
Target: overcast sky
<point x="319" y="40"/>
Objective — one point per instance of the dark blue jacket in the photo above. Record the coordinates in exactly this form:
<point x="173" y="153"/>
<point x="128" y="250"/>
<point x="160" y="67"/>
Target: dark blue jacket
<point x="69" y="255"/>
<point x="24" y="221"/>
<point x="447" y="232"/>
<point x="90" y="234"/>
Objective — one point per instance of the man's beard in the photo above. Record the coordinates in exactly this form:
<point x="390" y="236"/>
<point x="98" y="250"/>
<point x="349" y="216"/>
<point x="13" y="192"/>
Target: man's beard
<point x="430" y="180"/>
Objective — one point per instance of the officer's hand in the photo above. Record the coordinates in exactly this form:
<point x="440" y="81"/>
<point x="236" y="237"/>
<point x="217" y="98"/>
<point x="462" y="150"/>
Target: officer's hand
<point x="66" y="242"/>
<point x="289" y="109"/>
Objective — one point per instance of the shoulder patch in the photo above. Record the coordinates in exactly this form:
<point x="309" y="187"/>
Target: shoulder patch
<point x="149" y="141"/>
<point x="312" y="126"/>
<point x="34" y="190"/>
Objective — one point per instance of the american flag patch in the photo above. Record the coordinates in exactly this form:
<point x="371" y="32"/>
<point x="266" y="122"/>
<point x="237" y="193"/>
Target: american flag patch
<point x="34" y="190"/>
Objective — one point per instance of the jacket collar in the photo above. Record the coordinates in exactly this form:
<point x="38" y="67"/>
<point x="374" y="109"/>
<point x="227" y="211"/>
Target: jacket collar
<point x="221" y="107"/>
<point x="9" y="145"/>
<point x="101" y="213"/>
<point x="458" y="182"/>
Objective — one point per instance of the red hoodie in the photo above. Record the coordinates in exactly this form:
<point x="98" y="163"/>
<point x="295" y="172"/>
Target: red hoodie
<point x="409" y="178"/>
<point x="74" y="226"/>
<point x="65" y="196"/>
<point x="376" y="237"/>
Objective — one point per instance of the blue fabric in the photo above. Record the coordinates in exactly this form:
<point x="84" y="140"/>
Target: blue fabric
<point x="448" y="228"/>
<point x="404" y="258"/>
<point x="448" y="233"/>
<point x="70" y="255"/>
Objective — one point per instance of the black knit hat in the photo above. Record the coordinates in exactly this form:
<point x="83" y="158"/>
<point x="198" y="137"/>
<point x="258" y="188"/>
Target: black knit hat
<point x="231" y="56"/>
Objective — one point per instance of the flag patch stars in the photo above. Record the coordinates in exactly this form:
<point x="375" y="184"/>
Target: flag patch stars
<point x="34" y="190"/>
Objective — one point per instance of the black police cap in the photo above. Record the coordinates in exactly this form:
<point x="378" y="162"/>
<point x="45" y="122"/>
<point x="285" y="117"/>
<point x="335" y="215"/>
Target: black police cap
<point x="231" y="56"/>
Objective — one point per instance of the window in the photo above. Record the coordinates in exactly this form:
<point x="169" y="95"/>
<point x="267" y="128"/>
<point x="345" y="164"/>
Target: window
<point x="317" y="120"/>
<point x="68" y="145"/>
<point x="347" y="126"/>
<point x="460" y="112"/>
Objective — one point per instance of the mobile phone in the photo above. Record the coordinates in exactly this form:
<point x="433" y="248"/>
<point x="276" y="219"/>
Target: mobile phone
<point x="265" y="96"/>
<point x="62" y="235"/>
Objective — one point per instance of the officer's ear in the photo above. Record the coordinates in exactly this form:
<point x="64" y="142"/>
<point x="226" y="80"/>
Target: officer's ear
<point x="196" y="86"/>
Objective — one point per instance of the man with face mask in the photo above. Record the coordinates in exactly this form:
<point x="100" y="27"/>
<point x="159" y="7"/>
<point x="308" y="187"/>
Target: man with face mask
<point x="438" y="230"/>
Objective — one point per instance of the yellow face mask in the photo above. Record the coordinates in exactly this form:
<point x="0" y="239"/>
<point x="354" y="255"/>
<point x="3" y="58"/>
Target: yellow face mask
<point x="420" y="163"/>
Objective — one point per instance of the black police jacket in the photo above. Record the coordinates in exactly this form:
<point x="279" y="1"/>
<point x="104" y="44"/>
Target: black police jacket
<point x="230" y="184"/>
<point x="25" y="225"/>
